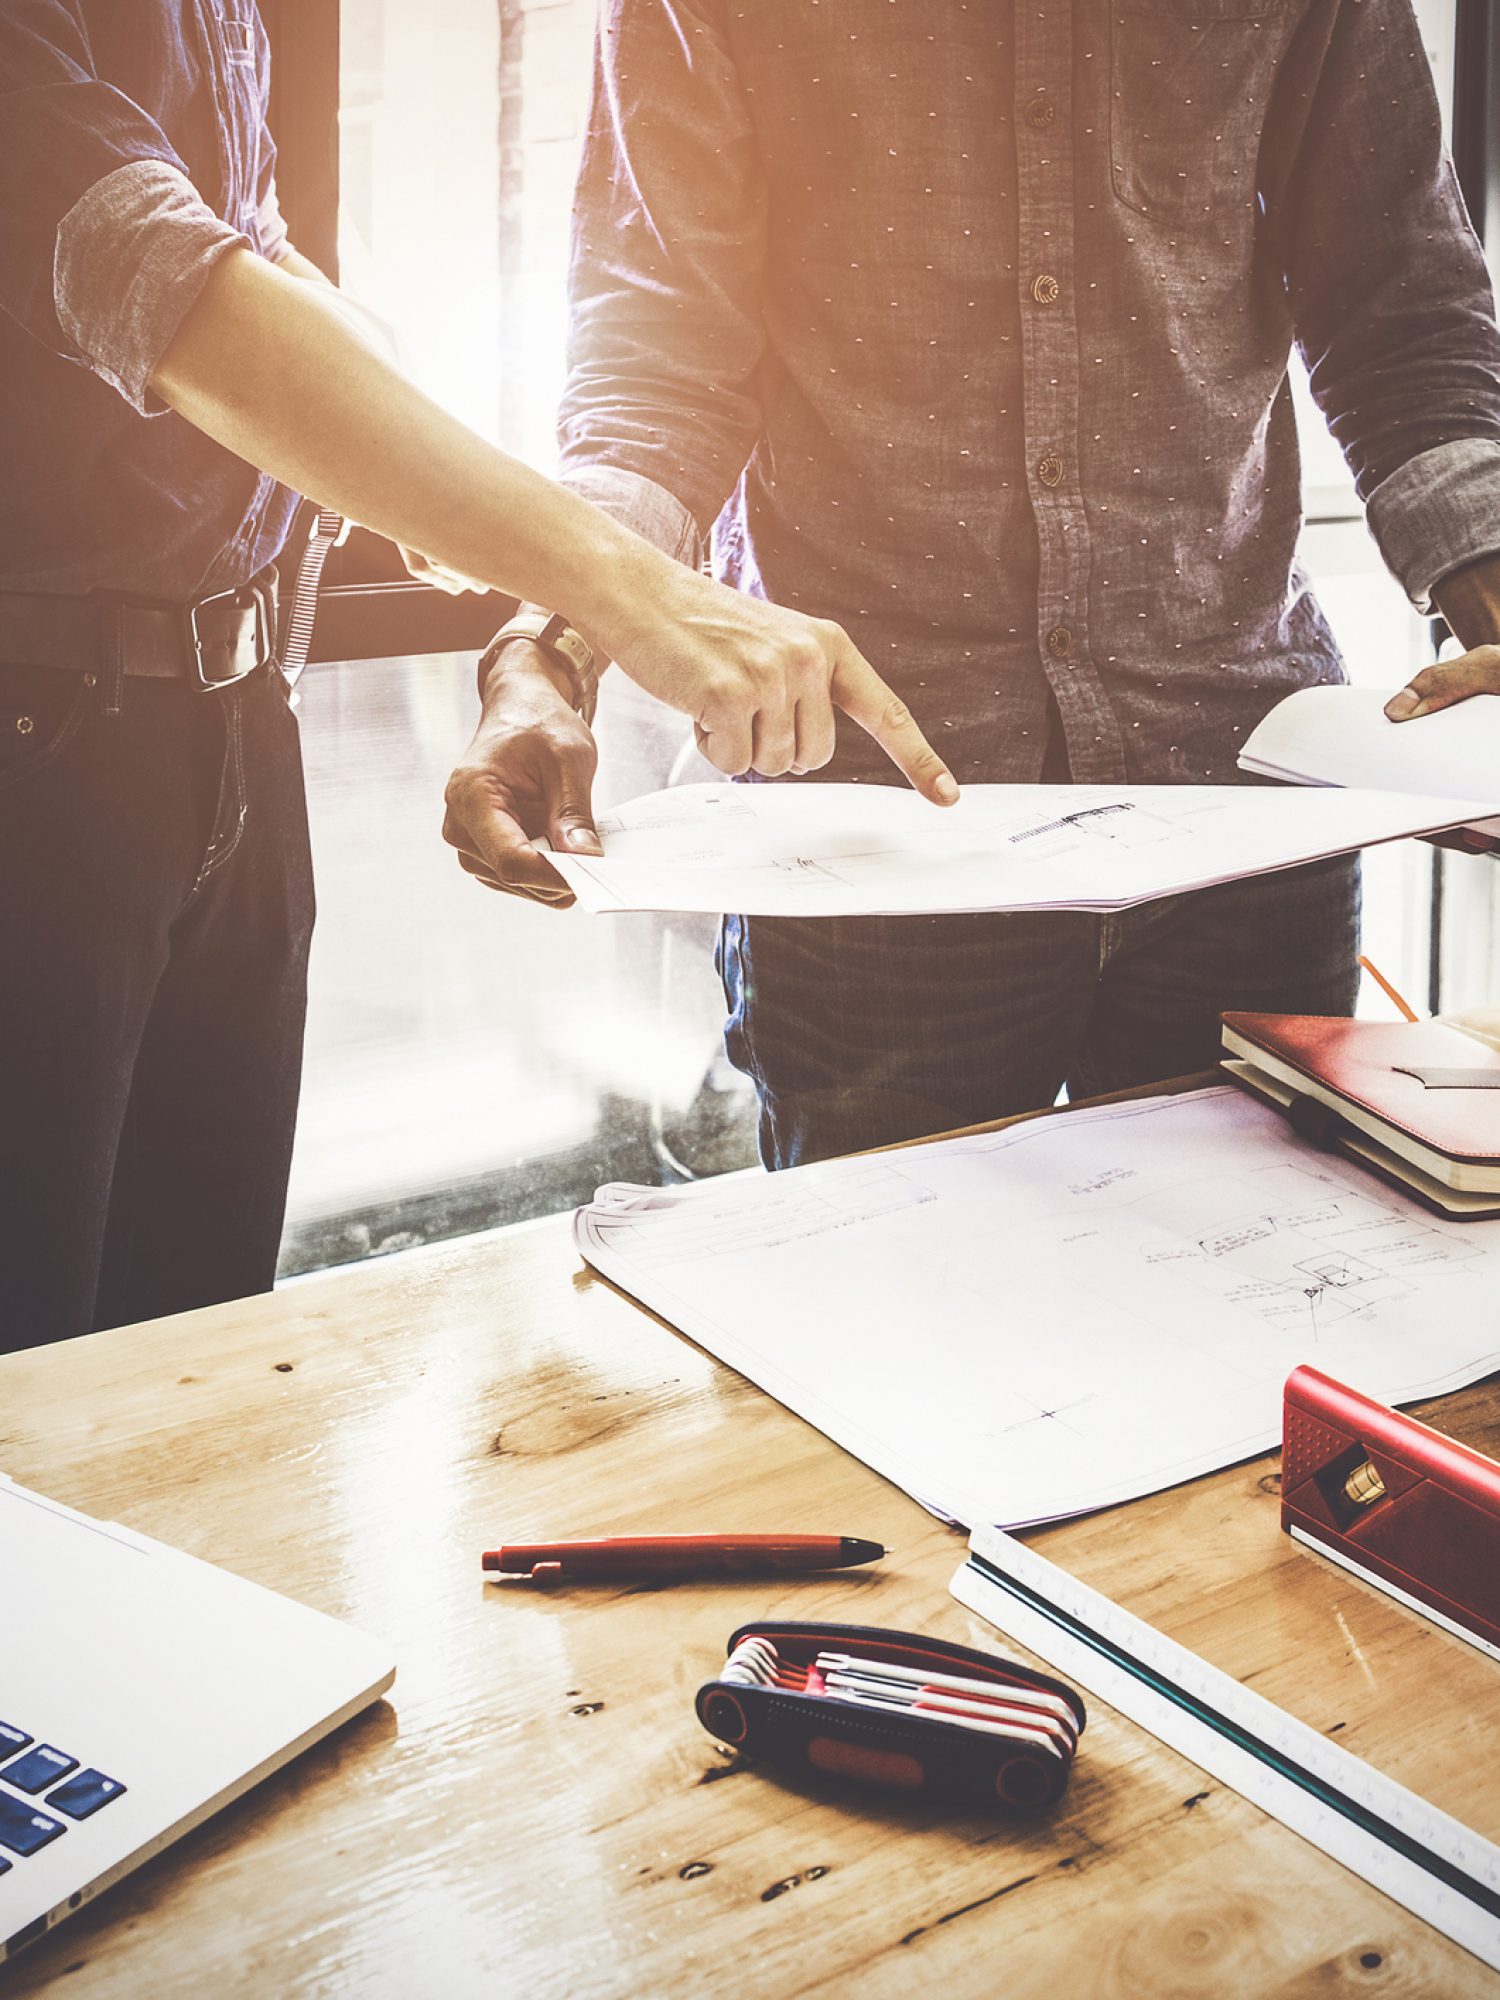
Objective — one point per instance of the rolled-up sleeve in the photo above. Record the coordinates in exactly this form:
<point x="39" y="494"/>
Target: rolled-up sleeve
<point x="132" y="256"/>
<point x="1438" y="513"/>
<point x="639" y="504"/>
<point x="104" y="241"/>
<point x="1393" y="305"/>
<point x="662" y="406"/>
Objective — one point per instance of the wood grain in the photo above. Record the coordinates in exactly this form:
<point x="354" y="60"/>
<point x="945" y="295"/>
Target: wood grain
<point x="536" y="1810"/>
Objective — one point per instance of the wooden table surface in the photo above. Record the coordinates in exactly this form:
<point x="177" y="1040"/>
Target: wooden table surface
<point x="536" y="1810"/>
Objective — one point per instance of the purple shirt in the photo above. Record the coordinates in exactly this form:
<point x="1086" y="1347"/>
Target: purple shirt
<point x="136" y="154"/>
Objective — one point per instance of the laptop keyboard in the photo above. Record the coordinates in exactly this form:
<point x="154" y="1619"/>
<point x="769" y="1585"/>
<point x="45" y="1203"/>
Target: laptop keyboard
<point x="39" y="1782"/>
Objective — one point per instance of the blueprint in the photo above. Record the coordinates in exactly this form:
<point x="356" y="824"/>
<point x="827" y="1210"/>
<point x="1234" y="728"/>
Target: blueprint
<point x="1067" y="1313"/>
<point x="818" y="850"/>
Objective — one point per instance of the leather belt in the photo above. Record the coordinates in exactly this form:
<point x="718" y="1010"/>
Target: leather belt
<point x="210" y="644"/>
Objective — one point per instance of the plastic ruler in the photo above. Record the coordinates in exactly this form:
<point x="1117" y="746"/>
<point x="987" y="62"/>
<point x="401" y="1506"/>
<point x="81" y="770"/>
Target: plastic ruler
<point x="1422" y="1858"/>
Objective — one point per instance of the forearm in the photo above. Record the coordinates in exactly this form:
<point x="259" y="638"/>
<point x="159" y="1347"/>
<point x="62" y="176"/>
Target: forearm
<point x="1469" y="600"/>
<point x="272" y="368"/>
<point x="635" y="503"/>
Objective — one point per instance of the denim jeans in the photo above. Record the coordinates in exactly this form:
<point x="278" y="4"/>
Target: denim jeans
<point x="866" y="1030"/>
<point x="155" y="913"/>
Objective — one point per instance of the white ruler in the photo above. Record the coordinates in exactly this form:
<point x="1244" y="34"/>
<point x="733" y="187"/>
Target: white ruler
<point x="1422" y="1858"/>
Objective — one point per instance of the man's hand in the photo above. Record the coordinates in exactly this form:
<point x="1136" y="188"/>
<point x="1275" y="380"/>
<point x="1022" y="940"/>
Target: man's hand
<point x="529" y="772"/>
<point x="271" y="368"/>
<point x="760" y="683"/>
<point x="1469" y="599"/>
<point x="1449" y="681"/>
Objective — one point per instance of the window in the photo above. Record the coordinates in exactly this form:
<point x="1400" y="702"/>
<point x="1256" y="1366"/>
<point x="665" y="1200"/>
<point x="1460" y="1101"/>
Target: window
<point x="472" y="1059"/>
<point x="460" y="125"/>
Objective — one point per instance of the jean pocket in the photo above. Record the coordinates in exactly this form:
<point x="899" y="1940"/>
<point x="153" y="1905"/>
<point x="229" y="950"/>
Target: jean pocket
<point x="41" y="710"/>
<point x="1189" y="85"/>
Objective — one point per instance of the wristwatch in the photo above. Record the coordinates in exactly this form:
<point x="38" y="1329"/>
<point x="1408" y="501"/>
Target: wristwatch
<point x="570" y="649"/>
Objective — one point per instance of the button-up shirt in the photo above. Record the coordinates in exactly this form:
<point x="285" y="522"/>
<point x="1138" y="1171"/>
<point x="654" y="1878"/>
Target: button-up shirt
<point x="968" y="325"/>
<point x="135" y="155"/>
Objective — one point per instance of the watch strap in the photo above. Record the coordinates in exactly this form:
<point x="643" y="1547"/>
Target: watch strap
<point x="568" y="647"/>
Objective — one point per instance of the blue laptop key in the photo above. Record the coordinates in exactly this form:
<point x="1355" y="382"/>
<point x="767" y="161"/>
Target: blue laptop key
<point x="38" y="1769"/>
<point x="22" y="1828"/>
<point x="84" y="1794"/>
<point x="4" y="1864"/>
<point x="12" y="1739"/>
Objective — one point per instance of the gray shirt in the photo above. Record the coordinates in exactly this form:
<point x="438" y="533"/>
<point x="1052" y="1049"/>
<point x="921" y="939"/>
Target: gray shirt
<point x="968" y="325"/>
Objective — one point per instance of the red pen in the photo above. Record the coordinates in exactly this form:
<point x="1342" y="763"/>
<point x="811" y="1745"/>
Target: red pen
<point x="678" y="1556"/>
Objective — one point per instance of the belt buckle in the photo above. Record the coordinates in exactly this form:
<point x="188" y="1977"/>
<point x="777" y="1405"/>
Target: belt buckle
<point x="207" y="682"/>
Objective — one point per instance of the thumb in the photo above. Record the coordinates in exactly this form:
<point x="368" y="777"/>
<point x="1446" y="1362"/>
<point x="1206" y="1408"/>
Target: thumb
<point x="570" y="815"/>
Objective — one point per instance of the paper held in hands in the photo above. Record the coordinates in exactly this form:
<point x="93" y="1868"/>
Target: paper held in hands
<point x="815" y="850"/>
<point x="1341" y="736"/>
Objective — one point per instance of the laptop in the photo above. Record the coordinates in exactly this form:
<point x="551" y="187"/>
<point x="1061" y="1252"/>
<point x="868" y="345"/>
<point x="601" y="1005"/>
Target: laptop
<point x="140" y="1690"/>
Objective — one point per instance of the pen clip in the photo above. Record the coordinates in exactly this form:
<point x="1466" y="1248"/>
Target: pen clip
<point x="537" y="1569"/>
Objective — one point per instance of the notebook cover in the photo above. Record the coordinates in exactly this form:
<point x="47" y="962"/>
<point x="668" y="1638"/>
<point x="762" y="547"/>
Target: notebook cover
<point x="1356" y="1060"/>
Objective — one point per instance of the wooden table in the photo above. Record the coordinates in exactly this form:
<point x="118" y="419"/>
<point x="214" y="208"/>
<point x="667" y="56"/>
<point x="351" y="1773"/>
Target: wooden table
<point x="536" y="1810"/>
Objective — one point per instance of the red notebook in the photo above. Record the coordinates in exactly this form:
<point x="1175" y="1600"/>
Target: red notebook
<point x="1427" y="1091"/>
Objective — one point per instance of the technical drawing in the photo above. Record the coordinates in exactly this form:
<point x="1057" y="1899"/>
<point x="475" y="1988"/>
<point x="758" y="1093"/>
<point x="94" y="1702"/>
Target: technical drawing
<point x="1118" y="822"/>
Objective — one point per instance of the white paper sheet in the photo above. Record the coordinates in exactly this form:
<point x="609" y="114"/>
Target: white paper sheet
<point x="855" y="850"/>
<point x="1340" y="736"/>
<point x="1067" y="1313"/>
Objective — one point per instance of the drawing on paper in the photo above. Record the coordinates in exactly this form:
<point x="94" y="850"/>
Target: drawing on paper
<point x="1118" y="821"/>
<point x="1304" y="1269"/>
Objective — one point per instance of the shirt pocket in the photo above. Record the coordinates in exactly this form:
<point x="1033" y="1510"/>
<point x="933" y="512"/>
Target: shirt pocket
<point x="1189" y="85"/>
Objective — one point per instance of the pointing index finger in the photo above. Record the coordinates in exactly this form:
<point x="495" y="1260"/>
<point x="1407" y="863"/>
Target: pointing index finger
<point x="860" y="692"/>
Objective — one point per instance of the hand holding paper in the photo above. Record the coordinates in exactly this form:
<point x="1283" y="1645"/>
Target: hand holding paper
<point x="1346" y="736"/>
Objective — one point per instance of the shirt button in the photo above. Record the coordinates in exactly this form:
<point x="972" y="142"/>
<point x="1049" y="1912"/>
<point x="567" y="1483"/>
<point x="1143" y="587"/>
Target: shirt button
<point x="1046" y="290"/>
<point x="1059" y="642"/>
<point x="1040" y="112"/>
<point x="1049" y="469"/>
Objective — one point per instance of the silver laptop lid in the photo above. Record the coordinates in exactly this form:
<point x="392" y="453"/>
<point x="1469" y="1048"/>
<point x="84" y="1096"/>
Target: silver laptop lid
<point x="140" y="1690"/>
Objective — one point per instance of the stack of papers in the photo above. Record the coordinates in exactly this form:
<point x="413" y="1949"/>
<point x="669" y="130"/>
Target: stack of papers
<point x="814" y="850"/>
<point x="1340" y="736"/>
<point x="1023" y="1324"/>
